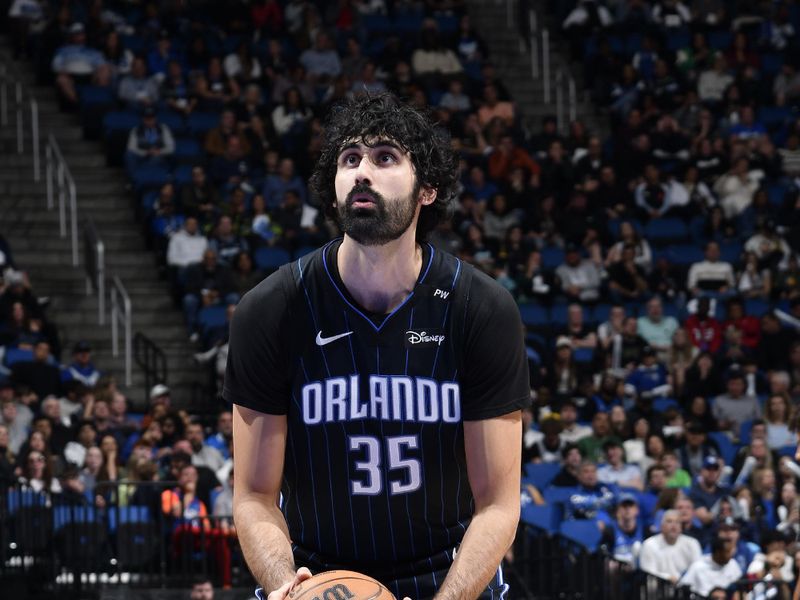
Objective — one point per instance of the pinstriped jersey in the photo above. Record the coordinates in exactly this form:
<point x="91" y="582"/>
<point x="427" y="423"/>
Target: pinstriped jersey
<point x="375" y="474"/>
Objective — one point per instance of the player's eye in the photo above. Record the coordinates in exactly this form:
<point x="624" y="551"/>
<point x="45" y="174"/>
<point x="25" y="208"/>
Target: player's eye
<point x="350" y="159"/>
<point x="386" y="158"/>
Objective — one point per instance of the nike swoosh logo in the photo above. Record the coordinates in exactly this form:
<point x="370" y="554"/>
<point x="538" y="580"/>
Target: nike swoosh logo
<point x="322" y="341"/>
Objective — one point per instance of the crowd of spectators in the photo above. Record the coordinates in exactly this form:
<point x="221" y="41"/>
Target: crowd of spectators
<point x="689" y="225"/>
<point x="656" y="268"/>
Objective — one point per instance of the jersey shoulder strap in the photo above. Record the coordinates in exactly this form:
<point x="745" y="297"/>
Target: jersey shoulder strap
<point x="460" y="306"/>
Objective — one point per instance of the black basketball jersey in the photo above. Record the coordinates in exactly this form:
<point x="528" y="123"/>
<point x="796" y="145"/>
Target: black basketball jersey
<point x="375" y="474"/>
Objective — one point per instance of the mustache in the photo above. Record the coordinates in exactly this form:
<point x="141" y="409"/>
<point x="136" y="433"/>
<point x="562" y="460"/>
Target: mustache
<point x="362" y="189"/>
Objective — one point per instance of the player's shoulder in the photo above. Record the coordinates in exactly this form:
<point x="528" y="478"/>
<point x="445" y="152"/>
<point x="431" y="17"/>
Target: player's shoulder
<point x="284" y="284"/>
<point x="485" y="292"/>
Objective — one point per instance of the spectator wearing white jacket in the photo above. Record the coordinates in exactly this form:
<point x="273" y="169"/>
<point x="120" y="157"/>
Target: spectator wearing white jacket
<point x="186" y="246"/>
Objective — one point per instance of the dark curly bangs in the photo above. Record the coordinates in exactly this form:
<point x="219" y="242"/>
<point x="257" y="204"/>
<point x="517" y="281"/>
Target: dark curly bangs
<point x="372" y="118"/>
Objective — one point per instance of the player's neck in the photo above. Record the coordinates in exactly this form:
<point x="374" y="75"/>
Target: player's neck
<point x="380" y="277"/>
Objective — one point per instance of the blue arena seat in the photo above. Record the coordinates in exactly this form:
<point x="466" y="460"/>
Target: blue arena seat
<point x="200" y="123"/>
<point x="269" y="258"/>
<point x="600" y="313"/>
<point x="172" y="120"/>
<point x="663" y="404"/>
<point x="773" y="116"/>
<point x="685" y="254"/>
<point x="726" y="447"/>
<point x="132" y="513"/>
<point x="756" y="307"/>
<point x="731" y="252"/>
<point x="542" y="517"/>
<point x="666" y="230"/>
<point x="540" y="475"/>
<point x="720" y="39"/>
<point x="558" y="495"/>
<point x="188" y="151"/>
<point x="15" y="355"/>
<point x="376" y="24"/>
<point x="534" y="315"/>
<point x="212" y="317"/>
<point x="302" y="251"/>
<point x="149" y="177"/>
<point x="552" y="257"/>
<point x="585" y="533"/>
<point x="182" y="175"/>
<point x="119" y="121"/>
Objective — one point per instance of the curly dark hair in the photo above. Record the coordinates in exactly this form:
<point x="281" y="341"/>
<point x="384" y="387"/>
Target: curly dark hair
<point x="368" y="119"/>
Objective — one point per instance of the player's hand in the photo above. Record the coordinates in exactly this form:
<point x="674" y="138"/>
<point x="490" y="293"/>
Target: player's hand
<point x="282" y="592"/>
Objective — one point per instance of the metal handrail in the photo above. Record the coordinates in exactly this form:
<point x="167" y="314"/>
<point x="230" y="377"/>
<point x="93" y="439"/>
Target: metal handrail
<point x="546" y="65"/>
<point x="152" y="361"/>
<point x="560" y="100"/>
<point x="61" y="182"/>
<point x="121" y="314"/>
<point x="3" y="96"/>
<point x="532" y="24"/>
<point x="35" y="140"/>
<point x="20" y="119"/>
<point x="95" y="267"/>
<point x="33" y="105"/>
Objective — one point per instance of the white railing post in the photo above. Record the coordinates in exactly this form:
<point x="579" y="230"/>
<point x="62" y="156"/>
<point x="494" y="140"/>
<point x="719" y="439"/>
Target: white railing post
<point x="35" y="139"/>
<point x="114" y="319"/>
<point x="559" y="101"/>
<point x="534" y="45"/>
<point x="73" y="215"/>
<point x="20" y="118"/>
<point x="62" y="200"/>
<point x="546" y="64"/>
<point x="3" y="96"/>
<point x="573" y="99"/>
<point x="101" y="282"/>
<point x="48" y="170"/>
<point x="120" y="295"/>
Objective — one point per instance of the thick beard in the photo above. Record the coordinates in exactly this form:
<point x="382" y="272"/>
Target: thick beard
<point x="383" y="223"/>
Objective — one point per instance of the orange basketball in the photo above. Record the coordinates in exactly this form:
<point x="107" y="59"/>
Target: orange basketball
<point x="341" y="585"/>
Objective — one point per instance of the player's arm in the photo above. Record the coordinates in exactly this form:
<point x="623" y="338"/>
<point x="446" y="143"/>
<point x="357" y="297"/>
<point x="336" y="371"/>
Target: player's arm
<point x="259" y="443"/>
<point x="493" y="453"/>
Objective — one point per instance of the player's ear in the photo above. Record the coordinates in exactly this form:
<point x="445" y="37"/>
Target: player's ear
<point x="427" y="195"/>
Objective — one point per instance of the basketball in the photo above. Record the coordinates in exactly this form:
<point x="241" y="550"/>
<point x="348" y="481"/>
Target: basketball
<point x="341" y="585"/>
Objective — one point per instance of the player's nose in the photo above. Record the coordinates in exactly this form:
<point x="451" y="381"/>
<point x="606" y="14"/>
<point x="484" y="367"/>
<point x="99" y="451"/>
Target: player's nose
<point x="364" y="172"/>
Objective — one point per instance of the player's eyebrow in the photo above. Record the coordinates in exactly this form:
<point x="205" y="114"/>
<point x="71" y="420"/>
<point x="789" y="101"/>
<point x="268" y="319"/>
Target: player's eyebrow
<point x="383" y="142"/>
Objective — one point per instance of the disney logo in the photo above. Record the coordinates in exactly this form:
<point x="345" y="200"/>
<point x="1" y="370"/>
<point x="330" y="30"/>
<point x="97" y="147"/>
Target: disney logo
<point x="422" y="337"/>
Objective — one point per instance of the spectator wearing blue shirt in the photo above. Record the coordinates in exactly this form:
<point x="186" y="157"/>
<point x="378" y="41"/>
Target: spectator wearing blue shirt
<point x="591" y="500"/>
<point x="747" y="127"/>
<point x="76" y="63"/>
<point x="706" y="491"/>
<point x="624" y="534"/>
<point x="321" y="62"/>
<point x="276" y="186"/>
<point x="479" y="186"/>
<point x="221" y="440"/>
<point x="649" y="378"/>
<point x="81" y="368"/>
<point x="160" y="56"/>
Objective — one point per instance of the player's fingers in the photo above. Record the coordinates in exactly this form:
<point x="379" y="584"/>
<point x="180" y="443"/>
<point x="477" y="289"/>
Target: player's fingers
<point x="302" y="574"/>
<point x="281" y="592"/>
<point x="797" y="454"/>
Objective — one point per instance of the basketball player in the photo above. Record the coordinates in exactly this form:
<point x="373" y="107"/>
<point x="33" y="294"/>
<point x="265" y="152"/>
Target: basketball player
<point x="378" y="383"/>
